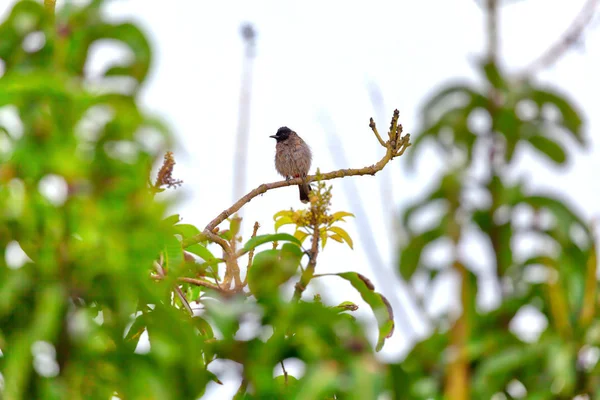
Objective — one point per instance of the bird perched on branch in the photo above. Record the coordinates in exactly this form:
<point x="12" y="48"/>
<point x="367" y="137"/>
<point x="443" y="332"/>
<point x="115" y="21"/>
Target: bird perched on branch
<point x="292" y="158"/>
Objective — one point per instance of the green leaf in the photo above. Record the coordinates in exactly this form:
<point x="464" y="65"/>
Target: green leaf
<point x="411" y="253"/>
<point x="564" y="216"/>
<point x="172" y="219"/>
<point x="201" y="252"/>
<point x="272" y="268"/>
<point x="549" y="147"/>
<point x="133" y="37"/>
<point x="493" y="75"/>
<point x="570" y="118"/>
<point x="186" y="230"/>
<point x="343" y="234"/>
<point x="173" y="253"/>
<point x="378" y="303"/>
<point x="261" y="239"/>
<point x="496" y="370"/>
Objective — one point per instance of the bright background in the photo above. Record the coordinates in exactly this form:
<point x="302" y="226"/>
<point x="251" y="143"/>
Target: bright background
<point x="323" y="68"/>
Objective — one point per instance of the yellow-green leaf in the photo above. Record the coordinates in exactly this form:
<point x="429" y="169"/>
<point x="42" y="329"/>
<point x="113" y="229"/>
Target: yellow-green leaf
<point x="301" y="235"/>
<point x="337" y="238"/>
<point x="283" y="221"/>
<point x="323" y="234"/>
<point x="283" y="213"/>
<point x="338" y="216"/>
<point x="344" y="235"/>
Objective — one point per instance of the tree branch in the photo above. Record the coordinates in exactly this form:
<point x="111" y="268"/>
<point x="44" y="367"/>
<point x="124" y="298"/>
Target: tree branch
<point x="309" y="272"/>
<point x="565" y="42"/>
<point x="395" y="147"/>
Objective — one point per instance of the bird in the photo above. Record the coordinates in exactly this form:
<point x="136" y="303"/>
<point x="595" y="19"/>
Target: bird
<point x="292" y="158"/>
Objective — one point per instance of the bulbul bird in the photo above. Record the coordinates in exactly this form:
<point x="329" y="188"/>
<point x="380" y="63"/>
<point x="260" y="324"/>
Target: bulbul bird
<point x="292" y="158"/>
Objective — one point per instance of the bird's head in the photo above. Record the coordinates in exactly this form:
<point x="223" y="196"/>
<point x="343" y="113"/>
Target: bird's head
<point x="282" y="134"/>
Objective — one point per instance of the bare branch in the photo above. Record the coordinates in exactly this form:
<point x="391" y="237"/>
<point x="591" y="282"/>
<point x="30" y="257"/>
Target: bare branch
<point x="393" y="150"/>
<point x="374" y="129"/>
<point x="565" y="42"/>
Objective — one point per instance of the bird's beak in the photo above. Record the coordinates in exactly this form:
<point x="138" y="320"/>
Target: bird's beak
<point x="273" y="136"/>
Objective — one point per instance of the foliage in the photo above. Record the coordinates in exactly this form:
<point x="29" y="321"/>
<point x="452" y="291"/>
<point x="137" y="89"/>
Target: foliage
<point x="479" y="356"/>
<point x="105" y="266"/>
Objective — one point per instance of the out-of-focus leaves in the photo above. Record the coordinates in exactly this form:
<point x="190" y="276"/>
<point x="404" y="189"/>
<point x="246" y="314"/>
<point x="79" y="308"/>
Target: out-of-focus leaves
<point x="569" y="116"/>
<point x="378" y="303"/>
<point x="172" y="219"/>
<point x="186" y="230"/>
<point x="448" y="112"/>
<point x="173" y="252"/>
<point x="493" y="75"/>
<point x="498" y="369"/>
<point x="271" y="268"/>
<point x="201" y="252"/>
<point x="412" y="251"/>
<point x="549" y="147"/>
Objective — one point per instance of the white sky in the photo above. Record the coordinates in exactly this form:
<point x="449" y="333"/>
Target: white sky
<point x="316" y="60"/>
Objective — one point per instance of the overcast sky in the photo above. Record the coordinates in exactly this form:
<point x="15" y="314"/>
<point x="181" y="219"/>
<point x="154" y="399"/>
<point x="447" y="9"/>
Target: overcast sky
<point x="315" y="64"/>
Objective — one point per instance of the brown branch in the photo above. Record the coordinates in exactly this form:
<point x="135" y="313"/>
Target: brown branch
<point x="200" y="282"/>
<point x="251" y="255"/>
<point x="50" y="5"/>
<point x="309" y="272"/>
<point x="565" y="42"/>
<point x="393" y="150"/>
<point x="161" y="275"/>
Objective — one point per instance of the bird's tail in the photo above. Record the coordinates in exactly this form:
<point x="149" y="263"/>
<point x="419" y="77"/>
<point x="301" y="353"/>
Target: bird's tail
<point x="304" y="191"/>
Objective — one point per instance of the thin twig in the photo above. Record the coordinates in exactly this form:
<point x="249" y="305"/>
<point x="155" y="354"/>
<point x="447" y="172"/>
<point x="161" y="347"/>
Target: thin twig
<point x="285" y="374"/>
<point x="184" y="300"/>
<point x="161" y="275"/>
<point x="208" y="285"/>
<point x="374" y="129"/>
<point x="565" y="42"/>
<point x="251" y="255"/>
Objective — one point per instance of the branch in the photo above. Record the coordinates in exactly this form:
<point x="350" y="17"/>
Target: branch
<point x="565" y="42"/>
<point x="161" y="275"/>
<point x="251" y="255"/>
<point x="395" y="147"/>
<point x="309" y="272"/>
<point x="50" y="6"/>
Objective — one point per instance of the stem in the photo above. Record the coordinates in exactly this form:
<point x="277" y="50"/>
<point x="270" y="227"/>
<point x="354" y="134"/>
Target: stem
<point x="309" y="272"/>
<point x="50" y="6"/>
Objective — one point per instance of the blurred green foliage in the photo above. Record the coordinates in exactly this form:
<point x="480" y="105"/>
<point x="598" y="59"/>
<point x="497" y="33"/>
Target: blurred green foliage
<point x="474" y="353"/>
<point x="105" y="265"/>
